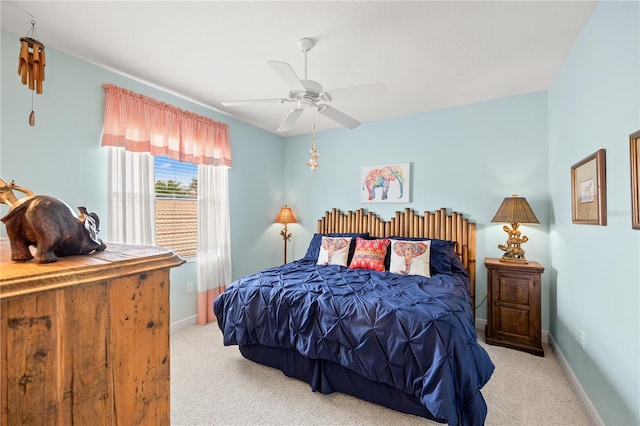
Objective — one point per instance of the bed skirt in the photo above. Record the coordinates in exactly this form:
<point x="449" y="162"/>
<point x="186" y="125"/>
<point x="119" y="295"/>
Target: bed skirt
<point x="328" y="377"/>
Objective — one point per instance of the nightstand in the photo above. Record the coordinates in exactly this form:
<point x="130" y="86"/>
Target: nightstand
<point x="513" y="305"/>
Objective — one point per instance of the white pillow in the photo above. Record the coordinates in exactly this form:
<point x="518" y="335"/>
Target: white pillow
<point x="334" y="251"/>
<point x="410" y="257"/>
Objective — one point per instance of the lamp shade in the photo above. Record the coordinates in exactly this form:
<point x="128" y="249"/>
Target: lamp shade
<point x="286" y="216"/>
<point x="515" y="209"/>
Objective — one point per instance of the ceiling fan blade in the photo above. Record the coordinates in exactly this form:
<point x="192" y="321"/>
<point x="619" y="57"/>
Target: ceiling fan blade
<point x="286" y="73"/>
<point x="289" y="120"/>
<point x="338" y="116"/>
<point x="255" y="101"/>
<point x="364" y="91"/>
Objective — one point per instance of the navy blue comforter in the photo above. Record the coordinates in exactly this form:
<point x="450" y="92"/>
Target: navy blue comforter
<point x="410" y="332"/>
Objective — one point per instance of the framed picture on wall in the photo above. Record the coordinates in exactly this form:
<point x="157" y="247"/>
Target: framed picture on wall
<point x="589" y="190"/>
<point x="385" y="183"/>
<point x="635" y="179"/>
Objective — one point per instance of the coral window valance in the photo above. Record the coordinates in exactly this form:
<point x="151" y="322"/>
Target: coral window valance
<point x="142" y="124"/>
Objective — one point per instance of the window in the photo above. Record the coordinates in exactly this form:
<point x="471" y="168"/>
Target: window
<point x="176" y="188"/>
<point x="195" y="226"/>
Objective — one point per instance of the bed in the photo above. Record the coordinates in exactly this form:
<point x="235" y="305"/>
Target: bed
<point x="381" y="310"/>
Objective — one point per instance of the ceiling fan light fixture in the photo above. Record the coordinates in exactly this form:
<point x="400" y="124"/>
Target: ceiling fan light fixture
<point x="305" y="103"/>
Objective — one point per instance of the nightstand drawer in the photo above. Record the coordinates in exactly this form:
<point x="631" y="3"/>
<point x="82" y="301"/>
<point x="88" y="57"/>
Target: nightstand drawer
<point x="513" y="288"/>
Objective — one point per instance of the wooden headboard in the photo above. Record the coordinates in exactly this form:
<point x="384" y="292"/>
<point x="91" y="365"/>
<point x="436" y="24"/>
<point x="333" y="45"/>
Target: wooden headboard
<point x="438" y="225"/>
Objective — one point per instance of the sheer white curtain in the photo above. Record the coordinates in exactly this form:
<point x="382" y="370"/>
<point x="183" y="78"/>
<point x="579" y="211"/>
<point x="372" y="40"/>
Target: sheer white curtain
<point x="214" y="247"/>
<point x="131" y="217"/>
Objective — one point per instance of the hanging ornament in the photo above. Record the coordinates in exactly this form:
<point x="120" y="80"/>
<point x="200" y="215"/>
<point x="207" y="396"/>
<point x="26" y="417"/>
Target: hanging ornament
<point x="313" y="161"/>
<point x="31" y="63"/>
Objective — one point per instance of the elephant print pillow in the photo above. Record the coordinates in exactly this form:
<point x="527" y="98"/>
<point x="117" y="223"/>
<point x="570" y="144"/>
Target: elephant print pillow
<point x="334" y="251"/>
<point x="410" y="257"/>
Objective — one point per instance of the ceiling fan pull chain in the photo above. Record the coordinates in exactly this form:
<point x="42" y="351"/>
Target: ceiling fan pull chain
<point x="313" y="161"/>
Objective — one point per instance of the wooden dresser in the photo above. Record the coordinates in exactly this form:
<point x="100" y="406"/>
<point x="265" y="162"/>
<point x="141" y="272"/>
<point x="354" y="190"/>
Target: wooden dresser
<point x="513" y="305"/>
<point x="85" y="340"/>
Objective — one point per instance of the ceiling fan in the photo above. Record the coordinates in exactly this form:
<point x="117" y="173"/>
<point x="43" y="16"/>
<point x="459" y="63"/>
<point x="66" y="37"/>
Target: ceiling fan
<point x="307" y="94"/>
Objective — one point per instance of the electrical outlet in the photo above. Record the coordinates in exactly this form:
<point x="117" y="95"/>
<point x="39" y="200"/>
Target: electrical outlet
<point x="582" y="339"/>
<point x="189" y="287"/>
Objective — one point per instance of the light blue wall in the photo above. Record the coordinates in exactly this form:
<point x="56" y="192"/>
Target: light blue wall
<point x="595" y="270"/>
<point x="61" y="156"/>
<point x="467" y="159"/>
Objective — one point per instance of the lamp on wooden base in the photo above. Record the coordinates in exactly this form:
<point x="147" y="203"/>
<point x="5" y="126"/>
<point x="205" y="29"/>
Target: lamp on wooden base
<point x="286" y="216"/>
<point x="514" y="210"/>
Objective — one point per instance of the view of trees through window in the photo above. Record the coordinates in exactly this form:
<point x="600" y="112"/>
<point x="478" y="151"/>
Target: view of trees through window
<point x="175" y="178"/>
<point x="176" y="206"/>
<point x="172" y="187"/>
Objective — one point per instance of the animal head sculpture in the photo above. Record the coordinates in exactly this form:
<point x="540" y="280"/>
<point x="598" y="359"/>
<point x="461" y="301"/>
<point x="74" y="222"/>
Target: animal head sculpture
<point x="48" y="224"/>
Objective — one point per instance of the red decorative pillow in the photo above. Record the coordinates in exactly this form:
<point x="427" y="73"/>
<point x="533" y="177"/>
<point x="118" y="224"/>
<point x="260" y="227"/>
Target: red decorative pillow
<point x="370" y="254"/>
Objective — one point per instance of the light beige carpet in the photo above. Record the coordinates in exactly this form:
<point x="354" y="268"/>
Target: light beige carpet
<point x="214" y="385"/>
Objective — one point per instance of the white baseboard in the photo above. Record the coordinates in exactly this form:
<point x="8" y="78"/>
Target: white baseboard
<point x="482" y="323"/>
<point x="182" y="324"/>
<point x="590" y="410"/>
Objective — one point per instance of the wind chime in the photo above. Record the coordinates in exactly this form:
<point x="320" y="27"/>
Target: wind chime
<point x="31" y="64"/>
<point x="313" y="161"/>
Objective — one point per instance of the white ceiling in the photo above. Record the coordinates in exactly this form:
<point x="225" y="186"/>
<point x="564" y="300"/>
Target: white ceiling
<point x="429" y="54"/>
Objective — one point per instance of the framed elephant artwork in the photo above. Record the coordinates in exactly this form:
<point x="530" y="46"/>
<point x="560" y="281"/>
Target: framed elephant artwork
<point x="385" y="183"/>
